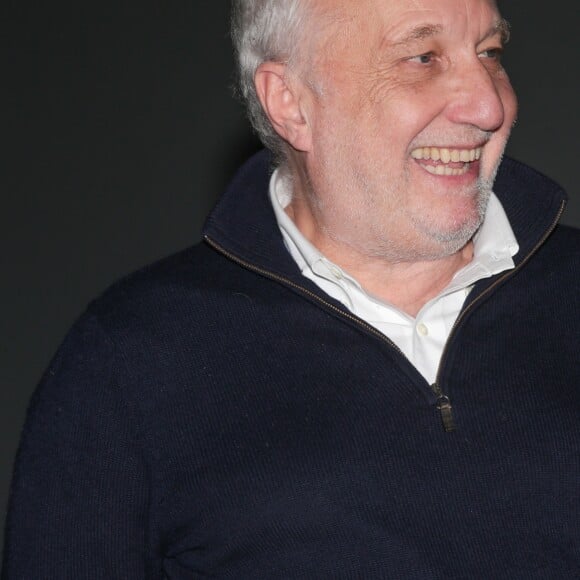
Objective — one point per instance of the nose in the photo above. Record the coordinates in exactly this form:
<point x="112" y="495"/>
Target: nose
<point x="478" y="96"/>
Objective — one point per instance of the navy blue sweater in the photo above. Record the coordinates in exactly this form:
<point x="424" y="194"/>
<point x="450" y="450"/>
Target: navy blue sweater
<point x="216" y="415"/>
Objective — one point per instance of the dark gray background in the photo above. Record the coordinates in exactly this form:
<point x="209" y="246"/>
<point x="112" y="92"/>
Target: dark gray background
<point x="120" y="132"/>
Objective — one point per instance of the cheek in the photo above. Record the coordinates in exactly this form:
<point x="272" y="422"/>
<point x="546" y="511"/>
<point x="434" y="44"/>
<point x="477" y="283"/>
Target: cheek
<point x="408" y="109"/>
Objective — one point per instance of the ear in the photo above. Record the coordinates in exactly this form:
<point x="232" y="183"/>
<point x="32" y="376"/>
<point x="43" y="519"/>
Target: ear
<point x="282" y="101"/>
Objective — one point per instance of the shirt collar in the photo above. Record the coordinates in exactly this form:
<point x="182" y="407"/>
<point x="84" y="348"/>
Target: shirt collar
<point x="494" y="244"/>
<point x="301" y="250"/>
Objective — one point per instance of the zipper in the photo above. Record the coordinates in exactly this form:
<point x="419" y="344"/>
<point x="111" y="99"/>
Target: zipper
<point x="443" y="402"/>
<point x="445" y="408"/>
<point x="286" y="281"/>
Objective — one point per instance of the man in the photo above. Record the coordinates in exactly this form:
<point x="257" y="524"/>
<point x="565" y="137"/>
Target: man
<point x="367" y="370"/>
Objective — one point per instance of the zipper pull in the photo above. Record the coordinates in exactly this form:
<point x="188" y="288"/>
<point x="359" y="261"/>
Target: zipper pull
<point x="445" y="408"/>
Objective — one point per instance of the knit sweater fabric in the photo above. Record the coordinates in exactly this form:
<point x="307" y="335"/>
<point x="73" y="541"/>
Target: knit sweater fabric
<point x="216" y="415"/>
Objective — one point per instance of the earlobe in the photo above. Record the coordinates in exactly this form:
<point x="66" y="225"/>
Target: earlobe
<point x="281" y="101"/>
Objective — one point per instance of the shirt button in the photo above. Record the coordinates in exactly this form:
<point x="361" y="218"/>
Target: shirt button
<point x="422" y="329"/>
<point x="336" y="272"/>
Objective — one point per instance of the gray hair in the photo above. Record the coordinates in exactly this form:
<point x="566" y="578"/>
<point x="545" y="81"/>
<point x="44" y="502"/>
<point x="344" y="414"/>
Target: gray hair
<point x="264" y="30"/>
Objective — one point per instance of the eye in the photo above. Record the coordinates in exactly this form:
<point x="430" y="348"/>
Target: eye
<point x="426" y="58"/>
<point x="492" y="53"/>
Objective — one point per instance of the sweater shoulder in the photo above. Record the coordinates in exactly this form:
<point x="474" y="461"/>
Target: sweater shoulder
<point x="563" y="248"/>
<point x="158" y="292"/>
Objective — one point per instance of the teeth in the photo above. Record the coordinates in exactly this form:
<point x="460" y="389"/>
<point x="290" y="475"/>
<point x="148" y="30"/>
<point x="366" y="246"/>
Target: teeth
<point x="446" y="155"/>
<point x="446" y="170"/>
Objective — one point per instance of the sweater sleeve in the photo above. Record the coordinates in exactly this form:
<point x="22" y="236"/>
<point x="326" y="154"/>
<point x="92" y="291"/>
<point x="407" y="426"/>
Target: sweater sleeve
<point x="79" y="500"/>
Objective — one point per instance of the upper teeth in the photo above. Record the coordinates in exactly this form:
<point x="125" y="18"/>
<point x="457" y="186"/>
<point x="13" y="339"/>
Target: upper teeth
<point x="446" y="155"/>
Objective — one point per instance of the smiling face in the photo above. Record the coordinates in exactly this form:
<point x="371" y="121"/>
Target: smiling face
<point x="409" y="111"/>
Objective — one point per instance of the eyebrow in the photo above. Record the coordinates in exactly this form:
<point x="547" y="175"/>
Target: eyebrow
<point x="419" y="33"/>
<point x="501" y="26"/>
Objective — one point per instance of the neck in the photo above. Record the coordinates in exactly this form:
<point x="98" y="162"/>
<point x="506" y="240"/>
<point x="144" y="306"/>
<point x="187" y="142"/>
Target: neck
<point x="408" y="285"/>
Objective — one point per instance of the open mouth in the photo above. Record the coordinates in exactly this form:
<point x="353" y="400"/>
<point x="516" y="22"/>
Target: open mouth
<point x="445" y="161"/>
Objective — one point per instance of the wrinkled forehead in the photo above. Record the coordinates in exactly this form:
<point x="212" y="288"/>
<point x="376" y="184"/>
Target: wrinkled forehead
<point x="366" y="15"/>
<point x="346" y="7"/>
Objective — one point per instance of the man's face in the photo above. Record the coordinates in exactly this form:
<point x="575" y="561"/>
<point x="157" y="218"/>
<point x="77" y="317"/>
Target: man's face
<point x="410" y="113"/>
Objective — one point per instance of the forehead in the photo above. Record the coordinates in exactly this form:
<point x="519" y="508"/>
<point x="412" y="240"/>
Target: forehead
<point x="392" y="17"/>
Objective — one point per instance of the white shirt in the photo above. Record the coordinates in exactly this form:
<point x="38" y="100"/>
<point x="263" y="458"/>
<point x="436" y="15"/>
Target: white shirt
<point x="421" y="339"/>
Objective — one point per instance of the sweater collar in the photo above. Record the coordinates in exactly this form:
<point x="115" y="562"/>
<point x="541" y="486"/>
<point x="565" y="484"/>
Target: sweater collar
<point x="243" y="221"/>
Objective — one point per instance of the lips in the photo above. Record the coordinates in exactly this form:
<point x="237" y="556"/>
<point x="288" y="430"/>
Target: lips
<point x="446" y="161"/>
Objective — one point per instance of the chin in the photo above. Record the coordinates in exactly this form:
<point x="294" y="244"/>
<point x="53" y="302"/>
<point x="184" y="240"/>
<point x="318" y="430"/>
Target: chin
<point x="453" y="241"/>
<point x="468" y="216"/>
<point x="451" y="235"/>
